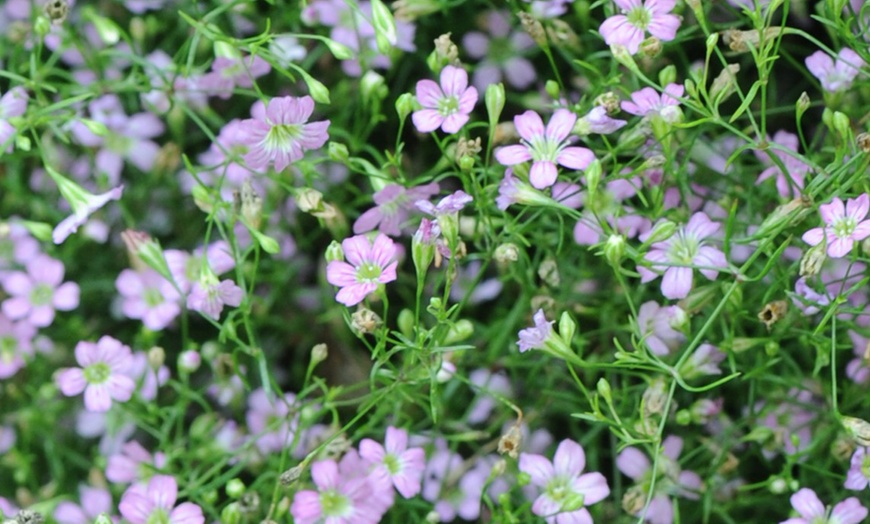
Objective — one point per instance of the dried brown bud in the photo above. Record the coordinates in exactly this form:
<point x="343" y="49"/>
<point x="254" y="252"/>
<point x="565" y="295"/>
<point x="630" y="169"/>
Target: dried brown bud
<point x="740" y="41"/>
<point x="773" y="312"/>
<point x="251" y="205"/>
<point x="467" y="148"/>
<point x="56" y="11"/>
<point x="548" y="271"/>
<point x="634" y="500"/>
<point x="842" y="448"/>
<point x="533" y="27"/>
<point x="364" y="321"/>
<point x="561" y="33"/>
<point x="446" y="49"/>
<point x="609" y="101"/>
<point x="291" y="475"/>
<point x="814" y="257"/>
<point x="510" y="442"/>
<point x="863" y="141"/>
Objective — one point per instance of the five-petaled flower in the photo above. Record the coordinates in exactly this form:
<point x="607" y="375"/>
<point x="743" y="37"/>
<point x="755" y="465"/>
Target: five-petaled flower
<point x="566" y="489"/>
<point x="403" y="466"/>
<point x="639" y="17"/>
<point x="155" y="502"/>
<point x="676" y="256"/>
<point x="283" y="133"/>
<point x="446" y="106"/>
<point x="835" y="76"/>
<point x="368" y="266"/>
<point x="545" y="147"/>
<point x="812" y="511"/>
<point x="844" y="225"/>
<point x="102" y="375"/>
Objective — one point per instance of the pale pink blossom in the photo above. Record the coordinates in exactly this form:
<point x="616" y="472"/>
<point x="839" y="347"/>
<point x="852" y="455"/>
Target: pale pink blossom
<point x="845" y="225"/>
<point x="103" y="375"/>
<point x="812" y="511"/>
<point x="835" y="76"/>
<point x="637" y="18"/>
<point x="369" y="265"/>
<point x="446" y="106"/>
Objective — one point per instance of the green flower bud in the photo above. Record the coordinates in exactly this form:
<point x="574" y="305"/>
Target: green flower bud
<point x="339" y="51"/>
<point x="235" y="488"/>
<point x="603" y="387"/>
<point x="319" y="353"/>
<point x="552" y="89"/>
<point x="842" y="126"/>
<point x="668" y="75"/>
<point x="231" y="514"/>
<point x="661" y="231"/>
<point x="567" y="327"/>
<point x="338" y="152"/>
<point x="802" y="104"/>
<point x="461" y="330"/>
<point x="858" y="429"/>
<point x="404" y="105"/>
<point x="614" y="249"/>
<point x="494" y="100"/>
<point x="334" y="251"/>
<point x="406" y="322"/>
<point x="385" y="27"/>
<point x="593" y="177"/>
<point x="373" y="87"/>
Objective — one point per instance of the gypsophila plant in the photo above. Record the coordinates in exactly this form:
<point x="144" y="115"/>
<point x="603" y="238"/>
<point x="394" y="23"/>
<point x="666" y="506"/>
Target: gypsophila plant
<point x="360" y="261"/>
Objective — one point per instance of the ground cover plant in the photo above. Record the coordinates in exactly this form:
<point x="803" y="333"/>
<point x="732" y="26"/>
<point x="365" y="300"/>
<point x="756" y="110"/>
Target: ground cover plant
<point x="349" y="261"/>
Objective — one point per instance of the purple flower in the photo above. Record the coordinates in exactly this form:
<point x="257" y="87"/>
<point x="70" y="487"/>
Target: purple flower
<point x="545" y="147"/>
<point x="94" y="502"/>
<point x="566" y="491"/>
<point x="283" y="134"/>
<point x="155" y="502"/>
<point x="209" y="296"/>
<point x="659" y="325"/>
<point x="705" y="360"/>
<point x="845" y="225"/>
<point x="446" y="106"/>
<point x="368" y="266"/>
<point x="393" y="204"/>
<point x="229" y="73"/>
<point x="83" y="204"/>
<point x="795" y="169"/>
<point x="790" y="422"/>
<point x="102" y="375"/>
<point x="186" y="268"/>
<point x="338" y="499"/>
<point x="647" y="102"/>
<point x="640" y="16"/>
<point x="670" y="480"/>
<point x="535" y="337"/>
<point x="812" y="511"/>
<point x="835" y="77"/>
<point x="599" y="122"/>
<point x="16" y="342"/>
<point x="272" y="421"/>
<point x="501" y="53"/>
<point x="17" y="246"/>
<point x="683" y="250"/>
<point x="449" y="205"/>
<point x="858" y="476"/>
<point x="858" y="369"/>
<point x="133" y="464"/>
<point x="148" y="296"/>
<point x="13" y="103"/>
<point x="403" y="466"/>
<point x="36" y="294"/>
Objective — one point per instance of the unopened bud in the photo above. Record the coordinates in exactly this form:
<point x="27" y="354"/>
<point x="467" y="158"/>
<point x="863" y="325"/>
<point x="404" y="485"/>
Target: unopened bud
<point x="319" y="353"/>
<point x="567" y="327"/>
<point x="777" y="485"/>
<point x="156" y="357"/>
<point x="231" y="514"/>
<point x="309" y="200"/>
<point x="603" y="387"/>
<point x="814" y="257"/>
<point x="338" y="152"/>
<point x="551" y="87"/>
<point x="842" y="125"/>
<point x="593" y="177"/>
<point x="802" y="104"/>
<point x="548" y="271"/>
<point x="461" y="330"/>
<point x="614" y="249"/>
<point x="235" y="488"/>
<point x="446" y="50"/>
<point x="404" y="105"/>
<point x="405" y="321"/>
<point x="372" y="87"/>
<point x="364" y="321"/>
<point x="863" y="142"/>
<point x="334" y="251"/>
<point x="506" y="253"/>
<point x="651" y="47"/>
<point x="661" y="231"/>
<point x="534" y="28"/>
<point x="189" y="361"/>
<point x="494" y="99"/>
<point x="858" y="429"/>
<point x="725" y="84"/>
<point x="251" y="205"/>
<point x="291" y="476"/>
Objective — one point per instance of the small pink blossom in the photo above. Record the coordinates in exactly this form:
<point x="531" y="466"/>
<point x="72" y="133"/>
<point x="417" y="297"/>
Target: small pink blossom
<point x="639" y="17"/>
<point x="36" y="294"/>
<point x="102" y="375"/>
<point x="133" y="463"/>
<point x="340" y="497"/>
<point x="283" y="133"/>
<point x="858" y="476"/>
<point x="566" y="490"/>
<point x="648" y="102"/>
<point x="812" y="511"/>
<point x="795" y="169"/>
<point x="446" y="106"/>
<point x="393" y="204"/>
<point x="209" y="296"/>
<point x="681" y="252"/>
<point x="835" y="76"/>
<point x="155" y="502"/>
<point x="545" y="147"/>
<point x="403" y="466"/>
<point x="369" y="264"/>
<point x="845" y="225"/>
<point x="148" y="296"/>
<point x="534" y="337"/>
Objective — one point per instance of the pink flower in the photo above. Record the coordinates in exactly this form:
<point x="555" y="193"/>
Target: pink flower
<point x="659" y="325"/>
<point x="370" y="265"/>
<point x="13" y="103"/>
<point x="647" y="101"/>
<point x="102" y="375"/>
<point x="835" y="77"/>
<point x="858" y="477"/>
<point x="36" y="294"/>
<point x="845" y="225"/>
<point x="501" y="52"/>
<point x="682" y="251"/>
<point x="393" y="203"/>
<point x="545" y="147"/>
<point x="148" y="296"/>
<point x="403" y="466"/>
<point x="209" y="296"/>
<point x="812" y="511"/>
<point x="447" y="106"/>
<point x="535" y="337"/>
<point x="340" y="498"/>
<point x="566" y="491"/>
<point x="640" y="16"/>
<point x="282" y="135"/>
<point x="16" y="342"/>
<point x="155" y="502"/>
<point x="94" y="502"/>
<point x="133" y="464"/>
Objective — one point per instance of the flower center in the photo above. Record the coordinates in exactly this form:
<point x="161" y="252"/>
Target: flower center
<point x="158" y="516"/>
<point x="639" y="17"/>
<point x="97" y="374"/>
<point x="153" y="297"/>
<point x="844" y="227"/>
<point x="544" y="149"/>
<point x="394" y="466"/>
<point x="368" y="272"/>
<point x="683" y="249"/>
<point x="865" y="466"/>
<point x="448" y="105"/>
<point x="41" y="295"/>
<point x="334" y="504"/>
<point x="281" y="136"/>
<point x="557" y="489"/>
